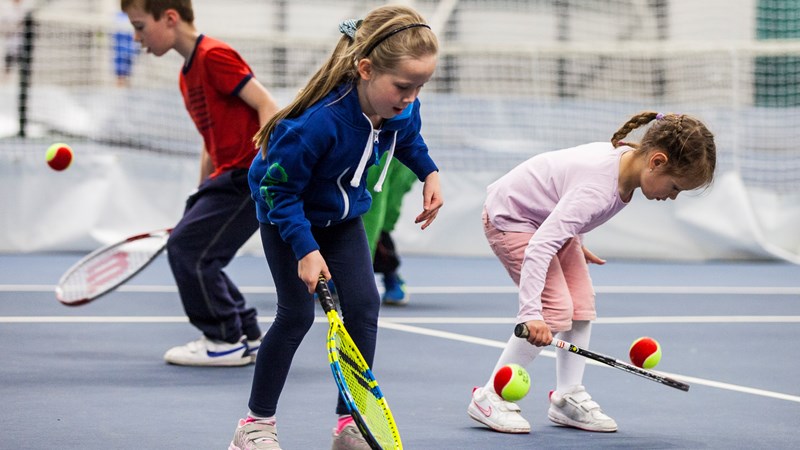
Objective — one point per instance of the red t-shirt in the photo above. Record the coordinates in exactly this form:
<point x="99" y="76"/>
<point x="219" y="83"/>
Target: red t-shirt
<point x="210" y="83"/>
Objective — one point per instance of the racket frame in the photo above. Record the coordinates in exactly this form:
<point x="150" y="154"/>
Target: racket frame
<point x="59" y="290"/>
<point x="336" y="325"/>
<point x="521" y="331"/>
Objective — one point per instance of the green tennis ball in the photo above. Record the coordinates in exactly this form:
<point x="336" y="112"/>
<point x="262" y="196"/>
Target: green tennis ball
<point x="645" y="352"/>
<point x="512" y="382"/>
<point x="59" y="156"/>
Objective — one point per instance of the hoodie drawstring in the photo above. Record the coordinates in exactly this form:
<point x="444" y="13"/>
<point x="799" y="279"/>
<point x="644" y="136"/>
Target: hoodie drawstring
<point x="368" y="150"/>
<point x="362" y="164"/>
<point x="379" y="185"/>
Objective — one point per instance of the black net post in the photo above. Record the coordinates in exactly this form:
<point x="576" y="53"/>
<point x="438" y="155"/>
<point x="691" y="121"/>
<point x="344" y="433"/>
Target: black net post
<point x="25" y="70"/>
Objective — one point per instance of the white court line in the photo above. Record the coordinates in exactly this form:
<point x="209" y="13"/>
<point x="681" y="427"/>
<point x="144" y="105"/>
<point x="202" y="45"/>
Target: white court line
<point x="395" y="324"/>
<point x="459" y="290"/>
<point x="497" y="344"/>
<point x="606" y="320"/>
<point x="416" y="320"/>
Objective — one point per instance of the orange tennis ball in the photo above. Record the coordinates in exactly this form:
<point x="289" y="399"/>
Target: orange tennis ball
<point x="512" y="382"/>
<point x="59" y="156"/>
<point x="645" y="352"/>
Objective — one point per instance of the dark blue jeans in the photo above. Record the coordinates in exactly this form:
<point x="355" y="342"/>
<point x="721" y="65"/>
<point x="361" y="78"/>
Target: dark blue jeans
<point x="219" y="218"/>
<point x="346" y="252"/>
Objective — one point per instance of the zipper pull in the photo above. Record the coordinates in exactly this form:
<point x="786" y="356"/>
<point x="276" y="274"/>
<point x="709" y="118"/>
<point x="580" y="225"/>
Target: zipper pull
<point x="376" y="134"/>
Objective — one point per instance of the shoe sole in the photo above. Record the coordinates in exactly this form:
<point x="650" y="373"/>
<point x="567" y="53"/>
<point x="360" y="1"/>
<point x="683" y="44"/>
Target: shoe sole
<point x="238" y="363"/>
<point x="563" y="420"/>
<point x="395" y="303"/>
<point x="479" y="418"/>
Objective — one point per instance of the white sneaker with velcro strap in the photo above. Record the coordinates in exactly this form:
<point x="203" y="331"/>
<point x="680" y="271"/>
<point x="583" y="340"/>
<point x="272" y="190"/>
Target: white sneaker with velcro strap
<point x="255" y="435"/>
<point x="491" y="410"/>
<point x="575" y="408"/>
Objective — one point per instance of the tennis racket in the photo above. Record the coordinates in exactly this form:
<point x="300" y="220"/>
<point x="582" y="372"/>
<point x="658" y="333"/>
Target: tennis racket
<point x="521" y="331"/>
<point x="357" y="386"/>
<point x="106" y="268"/>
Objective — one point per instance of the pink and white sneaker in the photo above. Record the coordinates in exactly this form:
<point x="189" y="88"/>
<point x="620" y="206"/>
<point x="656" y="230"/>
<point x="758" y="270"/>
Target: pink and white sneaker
<point x="491" y="410"/>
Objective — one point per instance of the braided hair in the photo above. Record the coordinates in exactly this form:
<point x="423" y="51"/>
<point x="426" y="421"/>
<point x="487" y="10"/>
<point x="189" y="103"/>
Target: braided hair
<point x="689" y="145"/>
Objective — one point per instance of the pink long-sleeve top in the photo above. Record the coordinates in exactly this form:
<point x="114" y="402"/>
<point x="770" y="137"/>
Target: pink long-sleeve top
<point x="556" y="195"/>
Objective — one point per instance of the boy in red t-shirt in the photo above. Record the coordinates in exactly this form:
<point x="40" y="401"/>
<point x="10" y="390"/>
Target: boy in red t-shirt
<point x="228" y="106"/>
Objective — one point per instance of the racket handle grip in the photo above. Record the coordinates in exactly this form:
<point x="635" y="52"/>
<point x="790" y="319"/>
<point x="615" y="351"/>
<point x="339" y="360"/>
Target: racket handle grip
<point x="324" y="294"/>
<point x="521" y="331"/>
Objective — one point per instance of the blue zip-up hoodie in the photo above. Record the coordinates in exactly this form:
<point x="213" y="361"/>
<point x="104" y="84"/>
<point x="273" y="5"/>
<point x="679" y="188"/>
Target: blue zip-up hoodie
<point x="316" y="166"/>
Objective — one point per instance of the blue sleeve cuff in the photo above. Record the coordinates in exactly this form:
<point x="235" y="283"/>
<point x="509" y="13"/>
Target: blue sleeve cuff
<point x="303" y="243"/>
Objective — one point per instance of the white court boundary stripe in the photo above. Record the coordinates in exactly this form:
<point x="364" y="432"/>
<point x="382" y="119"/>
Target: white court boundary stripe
<point x="393" y="324"/>
<point x="497" y="344"/>
<point x="415" y="320"/>
<point x="458" y="290"/>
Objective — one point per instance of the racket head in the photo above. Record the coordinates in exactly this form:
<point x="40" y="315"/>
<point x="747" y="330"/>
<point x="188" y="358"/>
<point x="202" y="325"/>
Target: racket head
<point x="357" y="385"/>
<point x="106" y="268"/>
<point x="360" y="390"/>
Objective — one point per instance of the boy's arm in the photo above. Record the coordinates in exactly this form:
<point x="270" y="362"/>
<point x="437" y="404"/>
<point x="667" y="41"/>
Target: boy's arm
<point x="206" y="166"/>
<point x="256" y="95"/>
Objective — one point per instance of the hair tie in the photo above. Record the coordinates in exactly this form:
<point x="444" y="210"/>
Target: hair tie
<point x="392" y="33"/>
<point x="349" y="27"/>
<point x="659" y="116"/>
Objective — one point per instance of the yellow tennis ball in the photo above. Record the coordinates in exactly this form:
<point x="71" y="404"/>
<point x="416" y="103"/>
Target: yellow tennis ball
<point x="512" y="382"/>
<point x="645" y="352"/>
<point x="59" y="156"/>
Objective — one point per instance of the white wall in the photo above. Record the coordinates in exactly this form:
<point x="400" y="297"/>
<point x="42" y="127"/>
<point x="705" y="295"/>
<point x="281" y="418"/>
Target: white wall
<point x="103" y="197"/>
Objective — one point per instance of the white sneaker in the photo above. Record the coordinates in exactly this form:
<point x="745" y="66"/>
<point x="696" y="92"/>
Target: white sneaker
<point x="257" y="435"/>
<point x="575" y="408"/>
<point x="491" y="410"/>
<point x="210" y="352"/>
<point x="349" y="438"/>
<point x="252" y="348"/>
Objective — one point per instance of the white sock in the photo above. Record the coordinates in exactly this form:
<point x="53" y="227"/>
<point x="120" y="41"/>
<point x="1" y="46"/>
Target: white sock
<point x="569" y="366"/>
<point x="517" y="351"/>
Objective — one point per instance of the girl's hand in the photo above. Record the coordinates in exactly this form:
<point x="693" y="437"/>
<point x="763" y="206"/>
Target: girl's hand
<point x="591" y="258"/>
<point x="431" y="200"/>
<point x="309" y="268"/>
<point x="540" y="334"/>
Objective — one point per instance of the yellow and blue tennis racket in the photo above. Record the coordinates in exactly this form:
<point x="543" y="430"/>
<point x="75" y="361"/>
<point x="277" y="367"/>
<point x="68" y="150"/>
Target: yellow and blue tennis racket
<point x="357" y="385"/>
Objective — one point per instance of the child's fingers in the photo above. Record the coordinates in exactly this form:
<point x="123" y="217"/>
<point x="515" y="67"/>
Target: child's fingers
<point x="427" y="217"/>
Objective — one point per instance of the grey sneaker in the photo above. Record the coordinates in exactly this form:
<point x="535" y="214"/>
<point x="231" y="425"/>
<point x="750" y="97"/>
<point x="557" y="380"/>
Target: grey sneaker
<point x="349" y="439"/>
<point x="491" y="410"/>
<point x="255" y="436"/>
<point x="575" y="408"/>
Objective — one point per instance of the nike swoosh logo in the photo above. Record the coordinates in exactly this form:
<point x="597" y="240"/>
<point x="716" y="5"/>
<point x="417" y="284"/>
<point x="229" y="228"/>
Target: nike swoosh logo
<point x="218" y="354"/>
<point x="486" y="412"/>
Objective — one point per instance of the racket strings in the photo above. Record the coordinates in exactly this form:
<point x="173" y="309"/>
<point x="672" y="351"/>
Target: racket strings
<point x="365" y="392"/>
<point x="105" y="270"/>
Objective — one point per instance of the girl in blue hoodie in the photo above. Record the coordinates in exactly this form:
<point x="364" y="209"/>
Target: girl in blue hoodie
<point x="309" y="187"/>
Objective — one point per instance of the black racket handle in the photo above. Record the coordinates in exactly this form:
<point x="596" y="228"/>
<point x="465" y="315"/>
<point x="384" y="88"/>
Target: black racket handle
<point x="324" y="295"/>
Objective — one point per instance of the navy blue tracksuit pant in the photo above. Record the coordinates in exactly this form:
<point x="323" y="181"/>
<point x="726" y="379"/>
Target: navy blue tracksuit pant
<point x="219" y="218"/>
<point x="346" y="252"/>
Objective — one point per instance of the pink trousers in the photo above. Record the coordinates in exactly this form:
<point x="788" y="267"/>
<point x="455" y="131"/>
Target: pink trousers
<point x="568" y="293"/>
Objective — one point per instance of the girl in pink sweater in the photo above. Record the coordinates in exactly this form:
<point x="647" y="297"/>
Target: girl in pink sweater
<point x="534" y="218"/>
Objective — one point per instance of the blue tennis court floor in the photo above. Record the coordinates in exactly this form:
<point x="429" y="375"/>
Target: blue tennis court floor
<point x="92" y="377"/>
